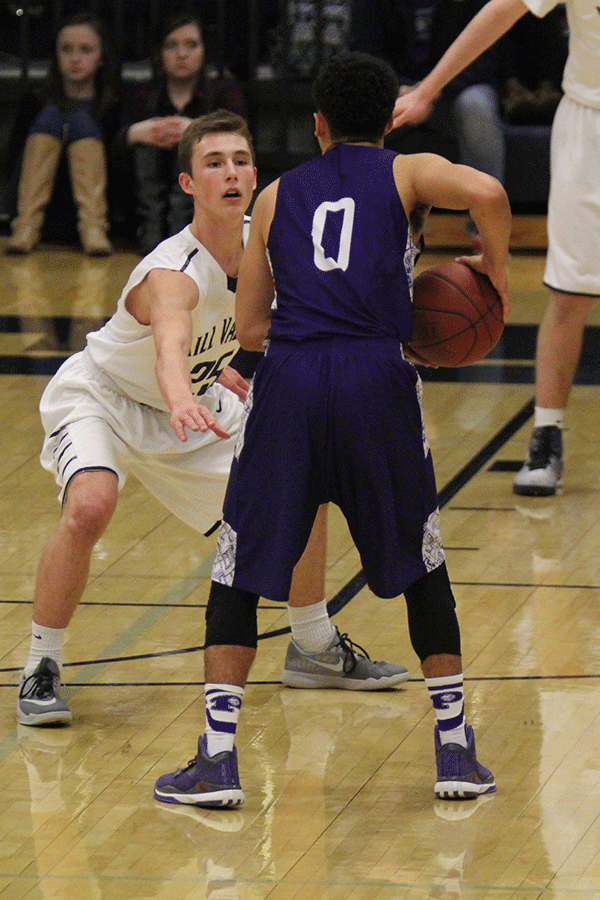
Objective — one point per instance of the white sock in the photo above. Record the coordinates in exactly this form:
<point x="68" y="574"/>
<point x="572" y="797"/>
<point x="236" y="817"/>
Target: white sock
<point x="545" y="417"/>
<point x="447" y="696"/>
<point x="311" y="626"/>
<point x="44" y="642"/>
<point x="223" y="704"/>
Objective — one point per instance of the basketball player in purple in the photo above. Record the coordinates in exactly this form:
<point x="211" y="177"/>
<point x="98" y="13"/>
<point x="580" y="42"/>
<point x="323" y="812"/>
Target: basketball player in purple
<point x="334" y="411"/>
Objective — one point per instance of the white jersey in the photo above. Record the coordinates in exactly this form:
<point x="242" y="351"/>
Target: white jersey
<point x="581" y="79"/>
<point x="125" y="350"/>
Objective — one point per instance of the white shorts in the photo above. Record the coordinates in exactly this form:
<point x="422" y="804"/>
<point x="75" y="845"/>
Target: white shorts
<point x="573" y="260"/>
<point x="89" y="425"/>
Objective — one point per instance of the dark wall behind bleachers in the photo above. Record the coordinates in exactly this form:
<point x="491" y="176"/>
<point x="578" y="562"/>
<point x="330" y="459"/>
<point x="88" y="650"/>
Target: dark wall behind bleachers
<point x="273" y="46"/>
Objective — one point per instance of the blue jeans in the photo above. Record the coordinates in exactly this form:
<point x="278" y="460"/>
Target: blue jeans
<point x="479" y="129"/>
<point x="67" y="127"/>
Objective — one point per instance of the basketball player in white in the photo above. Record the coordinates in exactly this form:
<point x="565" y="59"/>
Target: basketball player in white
<point x="572" y="273"/>
<point x="153" y="394"/>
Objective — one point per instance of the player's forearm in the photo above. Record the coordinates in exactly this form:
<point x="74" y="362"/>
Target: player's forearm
<point x="252" y="331"/>
<point x="254" y="339"/>
<point x="172" y="330"/>
<point x="490" y="23"/>
<point x="173" y="376"/>
<point x="492" y="216"/>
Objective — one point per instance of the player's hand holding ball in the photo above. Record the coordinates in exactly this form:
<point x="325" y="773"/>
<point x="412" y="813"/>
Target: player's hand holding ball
<point x="458" y="316"/>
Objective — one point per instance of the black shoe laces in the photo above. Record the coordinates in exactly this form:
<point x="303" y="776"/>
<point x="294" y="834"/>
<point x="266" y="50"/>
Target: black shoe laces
<point x="41" y="687"/>
<point x="190" y="765"/>
<point x="350" y="652"/>
<point x="544" y="445"/>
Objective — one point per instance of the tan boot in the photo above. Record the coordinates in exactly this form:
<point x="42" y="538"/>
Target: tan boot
<point x="40" y="162"/>
<point x="87" y="162"/>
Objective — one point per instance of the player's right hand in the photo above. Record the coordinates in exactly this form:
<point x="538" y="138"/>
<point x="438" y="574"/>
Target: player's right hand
<point x="189" y="414"/>
<point x="413" y="357"/>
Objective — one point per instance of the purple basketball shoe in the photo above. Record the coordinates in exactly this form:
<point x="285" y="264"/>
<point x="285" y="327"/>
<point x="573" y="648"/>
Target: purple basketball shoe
<point x="205" y="781"/>
<point x="460" y="776"/>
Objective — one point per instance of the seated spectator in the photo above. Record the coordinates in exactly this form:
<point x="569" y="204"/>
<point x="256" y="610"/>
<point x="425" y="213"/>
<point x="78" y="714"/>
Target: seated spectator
<point x="59" y="186"/>
<point x="536" y="51"/>
<point x="464" y="124"/>
<point x="157" y="116"/>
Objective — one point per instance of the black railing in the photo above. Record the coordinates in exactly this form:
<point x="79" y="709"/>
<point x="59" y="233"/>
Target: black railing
<point x="272" y="46"/>
<point x="242" y="34"/>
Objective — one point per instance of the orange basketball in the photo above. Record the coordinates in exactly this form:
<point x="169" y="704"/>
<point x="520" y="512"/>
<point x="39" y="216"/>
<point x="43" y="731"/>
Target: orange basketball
<point x="457" y="315"/>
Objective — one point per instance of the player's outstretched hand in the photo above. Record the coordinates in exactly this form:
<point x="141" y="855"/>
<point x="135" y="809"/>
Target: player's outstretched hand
<point x="233" y="381"/>
<point x="189" y="414"/>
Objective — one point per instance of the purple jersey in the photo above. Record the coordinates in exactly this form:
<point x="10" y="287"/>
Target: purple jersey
<point x="334" y="412"/>
<point x="341" y="249"/>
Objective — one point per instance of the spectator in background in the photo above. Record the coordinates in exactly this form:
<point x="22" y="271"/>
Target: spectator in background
<point x="464" y="123"/>
<point x="536" y="51"/>
<point x="156" y="118"/>
<point x="59" y="186"/>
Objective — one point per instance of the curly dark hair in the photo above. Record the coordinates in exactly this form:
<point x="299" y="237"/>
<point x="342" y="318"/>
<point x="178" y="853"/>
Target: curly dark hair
<point x="107" y="79"/>
<point x="356" y="92"/>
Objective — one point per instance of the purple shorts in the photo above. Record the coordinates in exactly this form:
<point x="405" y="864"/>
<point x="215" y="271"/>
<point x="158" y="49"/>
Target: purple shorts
<point x="331" y="420"/>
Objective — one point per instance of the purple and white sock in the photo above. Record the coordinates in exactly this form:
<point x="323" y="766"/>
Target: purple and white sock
<point x="447" y="696"/>
<point x="223" y="704"/>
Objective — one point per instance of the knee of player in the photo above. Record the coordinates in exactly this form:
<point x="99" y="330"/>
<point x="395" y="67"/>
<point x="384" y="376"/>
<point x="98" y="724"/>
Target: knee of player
<point x="89" y="506"/>
<point x="432" y="621"/>
<point x="231" y="617"/>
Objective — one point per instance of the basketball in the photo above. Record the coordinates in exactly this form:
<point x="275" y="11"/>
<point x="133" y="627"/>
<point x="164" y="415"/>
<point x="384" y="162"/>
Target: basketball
<point x="457" y="316"/>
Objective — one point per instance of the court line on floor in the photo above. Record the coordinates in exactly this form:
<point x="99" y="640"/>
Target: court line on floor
<point x="449" y="491"/>
<point x="152" y="615"/>
<point x="589" y="676"/>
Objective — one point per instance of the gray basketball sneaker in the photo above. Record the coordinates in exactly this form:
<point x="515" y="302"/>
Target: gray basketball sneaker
<point x="339" y="666"/>
<point x="40" y="701"/>
<point x="541" y="474"/>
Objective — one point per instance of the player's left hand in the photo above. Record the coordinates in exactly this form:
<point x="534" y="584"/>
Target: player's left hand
<point x="497" y="274"/>
<point x="232" y="380"/>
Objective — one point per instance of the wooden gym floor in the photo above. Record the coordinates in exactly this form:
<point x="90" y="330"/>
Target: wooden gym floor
<point x="339" y="785"/>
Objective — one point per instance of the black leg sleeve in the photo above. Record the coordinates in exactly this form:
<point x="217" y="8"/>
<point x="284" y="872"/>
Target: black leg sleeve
<point x="432" y="622"/>
<point x="231" y="617"/>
